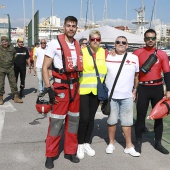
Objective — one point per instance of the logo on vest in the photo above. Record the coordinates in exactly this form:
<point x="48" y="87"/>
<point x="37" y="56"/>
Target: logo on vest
<point x="70" y="62"/>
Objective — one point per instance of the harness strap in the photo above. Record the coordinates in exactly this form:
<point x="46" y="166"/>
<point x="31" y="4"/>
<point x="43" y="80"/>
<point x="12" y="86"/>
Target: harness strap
<point x="167" y="105"/>
<point x="70" y="87"/>
<point x="151" y="81"/>
<point x="69" y="81"/>
<point x="60" y="71"/>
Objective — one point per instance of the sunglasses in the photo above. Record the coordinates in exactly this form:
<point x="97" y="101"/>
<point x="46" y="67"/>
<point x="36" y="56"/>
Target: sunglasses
<point x="97" y="39"/>
<point x="43" y="42"/>
<point x="121" y="42"/>
<point x="150" y="38"/>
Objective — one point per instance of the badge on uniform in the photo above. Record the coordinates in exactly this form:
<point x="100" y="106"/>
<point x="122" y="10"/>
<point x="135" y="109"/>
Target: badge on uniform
<point x="61" y="95"/>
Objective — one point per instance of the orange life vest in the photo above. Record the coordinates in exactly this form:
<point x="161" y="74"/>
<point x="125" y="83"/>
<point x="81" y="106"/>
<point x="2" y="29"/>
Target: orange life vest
<point x="66" y="55"/>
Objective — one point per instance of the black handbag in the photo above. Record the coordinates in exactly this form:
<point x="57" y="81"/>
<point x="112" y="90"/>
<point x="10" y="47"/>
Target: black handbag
<point x="106" y="108"/>
<point x="102" y="90"/>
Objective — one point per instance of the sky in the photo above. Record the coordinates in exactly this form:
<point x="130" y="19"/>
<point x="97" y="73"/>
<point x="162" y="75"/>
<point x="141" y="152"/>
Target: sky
<point x="119" y="12"/>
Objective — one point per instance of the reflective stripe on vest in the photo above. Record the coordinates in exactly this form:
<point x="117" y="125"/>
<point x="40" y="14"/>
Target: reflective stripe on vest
<point x="92" y="75"/>
<point x="88" y="85"/>
<point x="88" y="79"/>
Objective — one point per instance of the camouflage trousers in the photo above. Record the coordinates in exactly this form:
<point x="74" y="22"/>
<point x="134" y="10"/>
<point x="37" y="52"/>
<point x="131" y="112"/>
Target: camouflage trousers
<point x="9" y="72"/>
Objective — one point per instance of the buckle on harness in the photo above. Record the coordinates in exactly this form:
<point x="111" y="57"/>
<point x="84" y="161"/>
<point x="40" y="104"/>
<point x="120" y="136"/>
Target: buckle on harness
<point x="60" y="71"/>
<point x="71" y="81"/>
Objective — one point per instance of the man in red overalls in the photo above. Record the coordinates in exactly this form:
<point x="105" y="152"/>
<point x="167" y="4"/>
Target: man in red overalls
<point x="64" y="54"/>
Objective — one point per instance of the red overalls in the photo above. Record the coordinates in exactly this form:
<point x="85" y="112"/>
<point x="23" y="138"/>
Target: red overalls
<point x="66" y="84"/>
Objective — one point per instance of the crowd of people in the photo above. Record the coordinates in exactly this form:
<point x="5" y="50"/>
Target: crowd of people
<point x="74" y="96"/>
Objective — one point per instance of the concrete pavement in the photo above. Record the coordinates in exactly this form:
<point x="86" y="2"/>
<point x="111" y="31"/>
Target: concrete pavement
<point x="23" y="132"/>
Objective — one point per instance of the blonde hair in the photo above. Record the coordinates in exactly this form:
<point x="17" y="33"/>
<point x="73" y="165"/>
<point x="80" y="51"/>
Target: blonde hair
<point x="94" y="32"/>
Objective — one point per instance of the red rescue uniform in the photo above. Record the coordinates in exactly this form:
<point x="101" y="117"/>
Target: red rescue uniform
<point x="66" y="85"/>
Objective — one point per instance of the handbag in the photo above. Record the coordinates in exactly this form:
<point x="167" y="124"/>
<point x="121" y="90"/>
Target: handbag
<point x="102" y="90"/>
<point x="106" y="108"/>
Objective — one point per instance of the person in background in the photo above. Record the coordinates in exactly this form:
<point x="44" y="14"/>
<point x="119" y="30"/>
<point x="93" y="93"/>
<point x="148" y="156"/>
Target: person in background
<point x="150" y="88"/>
<point x="88" y="92"/>
<point x="34" y="51"/>
<point x="20" y="64"/>
<point x="31" y="53"/>
<point x="38" y="60"/>
<point x="7" y="57"/>
<point x="64" y="92"/>
<point x="83" y="42"/>
<point x="123" y="95"/>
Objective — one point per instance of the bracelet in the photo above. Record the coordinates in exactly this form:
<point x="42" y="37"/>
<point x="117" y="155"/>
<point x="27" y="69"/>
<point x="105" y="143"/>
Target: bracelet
<point x="134" y="89"/>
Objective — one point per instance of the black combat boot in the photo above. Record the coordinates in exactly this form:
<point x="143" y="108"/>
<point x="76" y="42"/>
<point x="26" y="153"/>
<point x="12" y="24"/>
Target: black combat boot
<point x="160" y="148"/>
<point x="72" y="157"/>
<point x="49" y="164"/>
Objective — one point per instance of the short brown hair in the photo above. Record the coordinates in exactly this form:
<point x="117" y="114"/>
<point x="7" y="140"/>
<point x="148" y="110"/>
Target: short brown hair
<point x="71" y="18"/>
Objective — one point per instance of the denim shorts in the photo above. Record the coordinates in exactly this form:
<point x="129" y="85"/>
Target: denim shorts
<point x="121" y="109"/>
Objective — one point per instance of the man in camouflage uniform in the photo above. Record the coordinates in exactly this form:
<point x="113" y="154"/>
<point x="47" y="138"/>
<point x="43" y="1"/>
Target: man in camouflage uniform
<point x="7" y="56"/>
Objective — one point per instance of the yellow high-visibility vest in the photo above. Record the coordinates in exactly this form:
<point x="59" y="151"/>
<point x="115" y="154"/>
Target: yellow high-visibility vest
<point x="88" y="79"/>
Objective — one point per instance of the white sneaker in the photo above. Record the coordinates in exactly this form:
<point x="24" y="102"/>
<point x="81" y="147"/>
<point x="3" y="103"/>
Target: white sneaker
<point x="110" y="148"/>
<point x="88" y="149"/>
<point x="80" y="151"/>
<point x="131" y="151"/>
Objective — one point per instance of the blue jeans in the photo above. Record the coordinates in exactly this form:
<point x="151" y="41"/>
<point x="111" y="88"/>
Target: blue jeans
<point x="40" y="79"/>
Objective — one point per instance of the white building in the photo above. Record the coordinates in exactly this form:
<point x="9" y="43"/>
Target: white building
<point x="163" y="31"/>
<point x="3" y="26"/>
<point x="50" y="28"/>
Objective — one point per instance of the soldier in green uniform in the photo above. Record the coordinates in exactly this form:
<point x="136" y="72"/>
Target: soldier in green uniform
<point x="7" y="56"/>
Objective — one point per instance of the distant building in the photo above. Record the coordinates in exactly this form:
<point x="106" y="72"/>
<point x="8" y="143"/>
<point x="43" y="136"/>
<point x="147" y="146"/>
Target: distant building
<point x="50" y="28"/>
<point x="163" y="35"/>
<point x="15" y="33"/>
<point x="3" y="26"/>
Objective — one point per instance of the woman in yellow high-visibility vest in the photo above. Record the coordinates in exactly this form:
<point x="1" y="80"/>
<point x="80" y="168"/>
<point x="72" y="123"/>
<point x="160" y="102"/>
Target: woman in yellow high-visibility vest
<point x="88" y="92"/>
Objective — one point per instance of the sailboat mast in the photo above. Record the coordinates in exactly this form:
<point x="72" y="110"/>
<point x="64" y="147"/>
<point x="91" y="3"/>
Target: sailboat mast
<point x="105" y="13"/>
<point x="80" y="10"/>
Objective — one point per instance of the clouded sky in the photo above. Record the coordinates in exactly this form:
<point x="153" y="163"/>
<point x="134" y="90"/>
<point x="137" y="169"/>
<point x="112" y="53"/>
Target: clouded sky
<point x="117" y="10"/>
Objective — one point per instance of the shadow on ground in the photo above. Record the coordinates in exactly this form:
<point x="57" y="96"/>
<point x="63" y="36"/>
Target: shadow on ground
<point x="26" y="92"/>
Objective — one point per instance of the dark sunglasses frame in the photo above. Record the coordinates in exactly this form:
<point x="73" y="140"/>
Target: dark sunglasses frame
<point x="150" y="38"/>
<point x="43" y="43"/>
<point x="121" y="42"/>
<point x="97" y="39"/>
